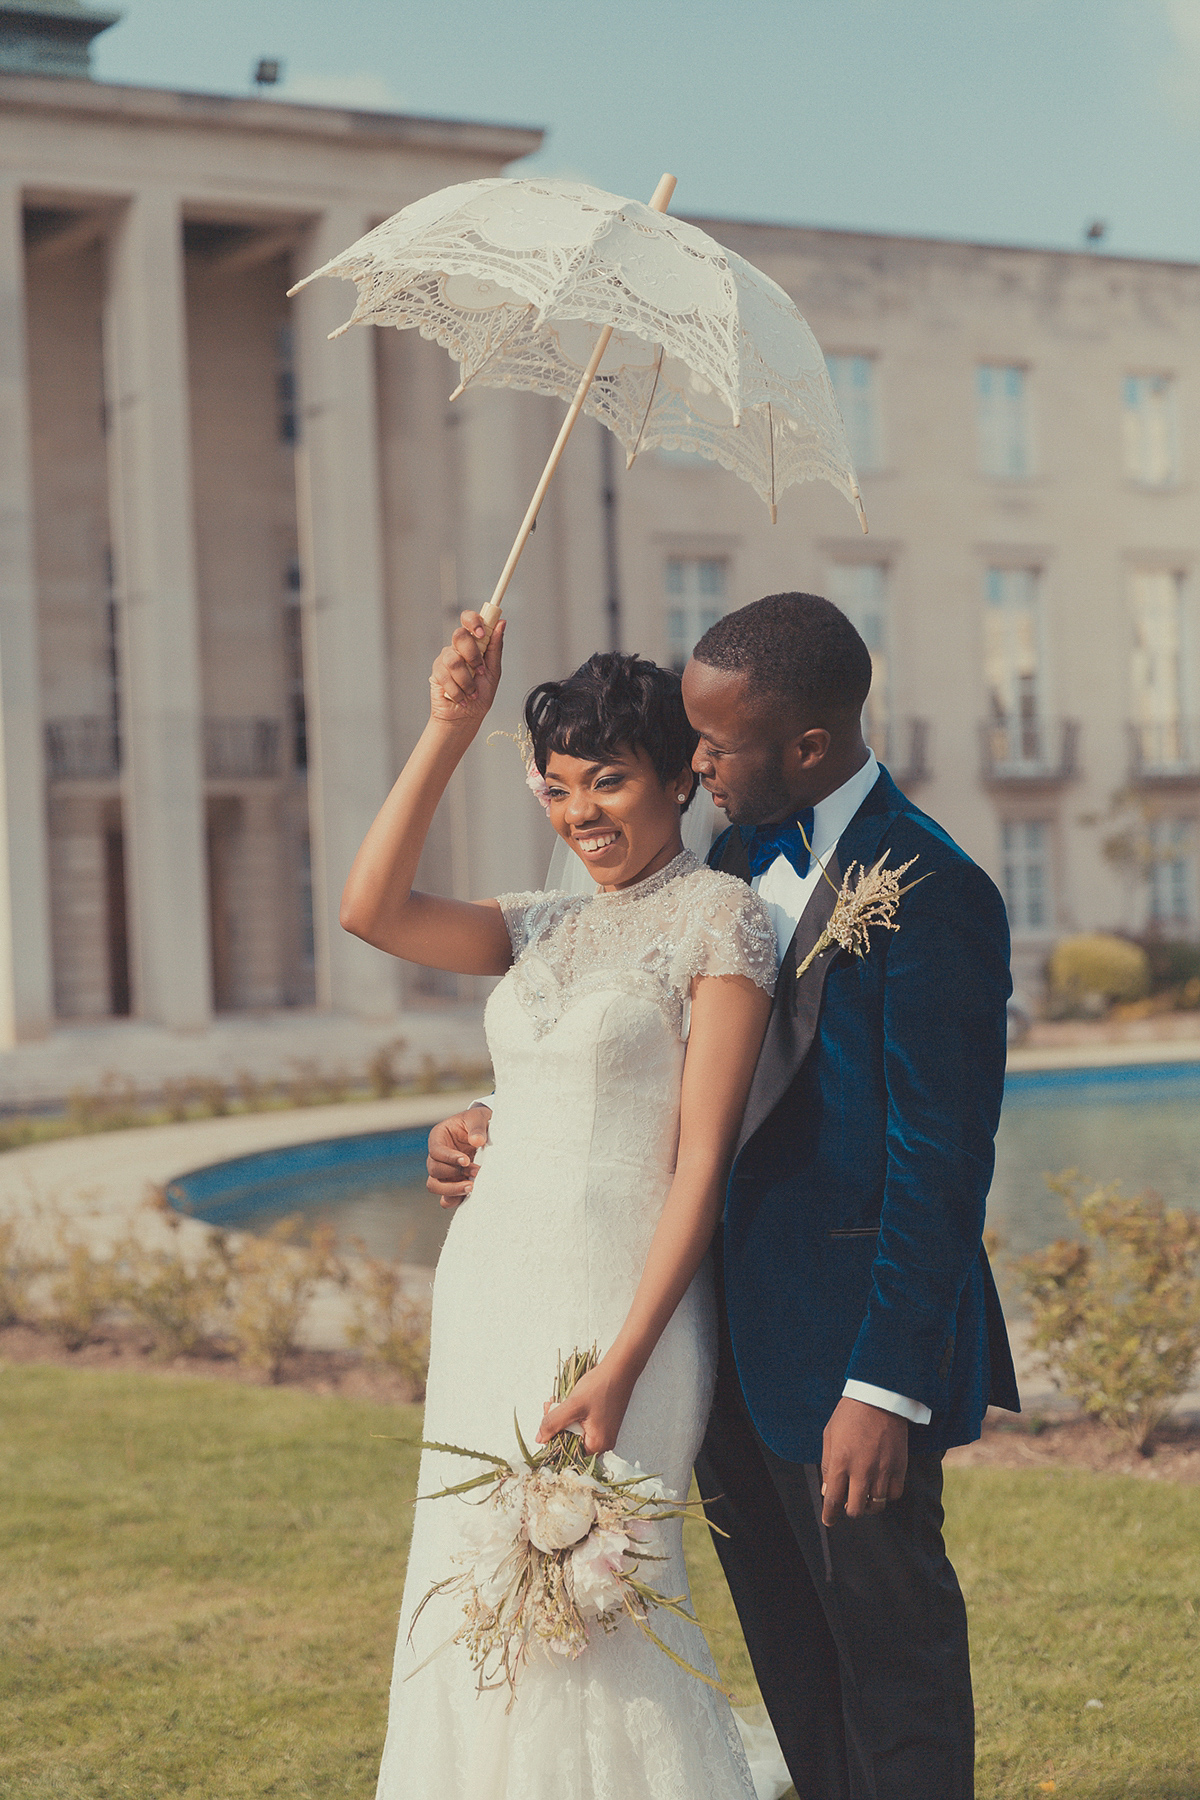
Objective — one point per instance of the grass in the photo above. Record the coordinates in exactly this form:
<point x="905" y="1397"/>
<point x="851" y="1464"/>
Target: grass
<point x="200" y="1586"/>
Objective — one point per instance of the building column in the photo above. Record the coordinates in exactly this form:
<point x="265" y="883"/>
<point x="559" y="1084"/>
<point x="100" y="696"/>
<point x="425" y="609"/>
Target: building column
<point x="345" y="635"/>
<point x="150" y="463"/>
<point x="26" y="978"/>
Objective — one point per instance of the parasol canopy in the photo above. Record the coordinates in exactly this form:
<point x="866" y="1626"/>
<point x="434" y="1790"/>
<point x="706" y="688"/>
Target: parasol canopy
<point x="640" y="319"/>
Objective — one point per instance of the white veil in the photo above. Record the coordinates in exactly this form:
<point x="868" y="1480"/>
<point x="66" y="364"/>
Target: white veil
<point x="701" y="823"/>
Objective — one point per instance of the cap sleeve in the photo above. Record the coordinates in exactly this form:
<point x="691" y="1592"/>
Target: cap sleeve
<point x="728" y="932"/>
<point x="529" y="916"/>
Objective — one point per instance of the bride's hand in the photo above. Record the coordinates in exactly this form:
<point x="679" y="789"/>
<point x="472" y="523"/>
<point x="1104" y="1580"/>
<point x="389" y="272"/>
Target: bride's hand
<point x="465" y="676"/>
<point x="596" y="1404"/>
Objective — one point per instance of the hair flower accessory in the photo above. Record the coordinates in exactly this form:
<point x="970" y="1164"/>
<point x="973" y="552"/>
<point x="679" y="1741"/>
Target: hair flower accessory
<point x="537" y="784"/>
<point x="535" y="781"/>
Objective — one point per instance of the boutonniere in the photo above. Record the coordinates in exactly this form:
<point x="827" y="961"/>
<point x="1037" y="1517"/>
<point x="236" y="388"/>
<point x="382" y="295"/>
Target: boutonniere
<point x="868" y="902"/>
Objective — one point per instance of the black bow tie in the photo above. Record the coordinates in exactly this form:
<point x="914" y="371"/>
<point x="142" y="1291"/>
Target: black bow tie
<point x="764" y="843"/>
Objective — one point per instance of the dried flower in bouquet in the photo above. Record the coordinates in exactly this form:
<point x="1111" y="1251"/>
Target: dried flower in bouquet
<point x="553" y="1550"/>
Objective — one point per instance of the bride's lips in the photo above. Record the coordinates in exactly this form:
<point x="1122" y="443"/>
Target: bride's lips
<point x="596" y="844"/>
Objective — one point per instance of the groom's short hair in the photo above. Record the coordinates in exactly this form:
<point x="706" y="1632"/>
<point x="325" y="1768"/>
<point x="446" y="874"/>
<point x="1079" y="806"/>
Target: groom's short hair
<point x="794" y="646"/>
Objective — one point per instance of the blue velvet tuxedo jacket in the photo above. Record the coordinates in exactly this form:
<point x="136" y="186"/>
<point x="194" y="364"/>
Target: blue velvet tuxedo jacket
<point x="852" y="1242"/>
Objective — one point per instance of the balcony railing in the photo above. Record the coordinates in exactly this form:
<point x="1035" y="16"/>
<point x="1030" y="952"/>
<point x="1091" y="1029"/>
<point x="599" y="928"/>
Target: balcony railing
<point x="237" y="749"/>
<point x="903" y="747"/>
<point x="1168" y="752"/>
<point x="1030" y="751"/>
<point x="89" y="749"/>
<point x="86" y="749"/>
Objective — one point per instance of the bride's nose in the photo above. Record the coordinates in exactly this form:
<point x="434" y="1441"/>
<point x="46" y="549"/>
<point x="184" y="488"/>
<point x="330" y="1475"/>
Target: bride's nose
<point x="581" y="807"/>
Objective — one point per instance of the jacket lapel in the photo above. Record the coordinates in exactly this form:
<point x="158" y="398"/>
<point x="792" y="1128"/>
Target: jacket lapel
<point x="797" y="1004"/>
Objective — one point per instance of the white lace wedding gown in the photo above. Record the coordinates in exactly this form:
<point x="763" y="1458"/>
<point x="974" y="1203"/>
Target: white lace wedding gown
<point x="587" y="1035"/>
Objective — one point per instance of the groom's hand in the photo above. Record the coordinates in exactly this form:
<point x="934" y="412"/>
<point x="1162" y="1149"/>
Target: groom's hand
<point x="863" y="1462"/>
<point x="451" y="1160"/>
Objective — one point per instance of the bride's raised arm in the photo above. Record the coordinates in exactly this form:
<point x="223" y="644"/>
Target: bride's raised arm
<point x="379" y="903"/>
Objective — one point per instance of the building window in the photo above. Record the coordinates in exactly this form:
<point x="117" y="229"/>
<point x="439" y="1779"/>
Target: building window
<point x="1012" y="663"/>
<point x="1159" y="666"/>
<point x="1001" y="414"/>
<point x="860" y="589"/>
<point x="1172" y="872"/>
<point x="696" y="590"/>
<point x="1148" y="421"/>
<point x="1027" y="884"/>
<point x="853" y="379"/>
<point x="286" y="416"/>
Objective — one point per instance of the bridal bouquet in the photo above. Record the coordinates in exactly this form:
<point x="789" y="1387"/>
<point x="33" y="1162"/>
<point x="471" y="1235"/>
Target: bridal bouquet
<point x="553" y="1550"/>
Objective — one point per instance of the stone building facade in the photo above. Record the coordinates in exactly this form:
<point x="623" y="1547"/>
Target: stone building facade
<point x="229" y="550"/>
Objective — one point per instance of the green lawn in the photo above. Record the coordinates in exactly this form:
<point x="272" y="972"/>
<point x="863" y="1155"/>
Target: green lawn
<point x="199" y="1584"/>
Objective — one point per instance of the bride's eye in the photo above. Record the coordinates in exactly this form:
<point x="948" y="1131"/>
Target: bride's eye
<point x="608" y="781"/>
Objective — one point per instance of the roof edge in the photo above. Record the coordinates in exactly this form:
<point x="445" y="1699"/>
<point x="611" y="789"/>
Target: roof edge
<point x="1092" y="258"/>
<point x="285" y="118"/>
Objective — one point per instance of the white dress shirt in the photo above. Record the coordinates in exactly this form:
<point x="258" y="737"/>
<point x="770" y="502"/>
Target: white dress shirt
<point x="785" y="896"/>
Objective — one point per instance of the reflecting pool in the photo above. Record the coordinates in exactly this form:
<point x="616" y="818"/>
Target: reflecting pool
<point x="1138" y="1125"/>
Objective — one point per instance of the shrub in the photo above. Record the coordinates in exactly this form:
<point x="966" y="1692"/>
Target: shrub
<point x="254" y="1094"/>
<point x="17" y="1269"/>
<point x="84" y="1287"/>
<point x="1172" y="964"/>
<point x="272" y="1279"/>
<point x="390" y="1326"/>
<point x="113" y="1106"/>
<point x="1117" y="1316"/>
<point x="180" y="1299"/>
<point x="383" y="1071"/>
<point x="1097" y="967"/>
<point x="304" y="1086"/>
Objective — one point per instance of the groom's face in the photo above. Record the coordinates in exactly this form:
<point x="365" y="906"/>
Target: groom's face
<point x="757" y="765"/>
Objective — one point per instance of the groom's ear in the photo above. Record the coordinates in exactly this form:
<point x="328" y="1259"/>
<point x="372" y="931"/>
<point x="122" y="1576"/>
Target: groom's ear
<point x="807" y="748"/>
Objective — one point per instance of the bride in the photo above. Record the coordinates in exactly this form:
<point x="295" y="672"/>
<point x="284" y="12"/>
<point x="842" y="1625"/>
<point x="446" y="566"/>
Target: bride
<point x="624" y="1036"/>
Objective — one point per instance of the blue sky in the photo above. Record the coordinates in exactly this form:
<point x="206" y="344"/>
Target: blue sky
<point x="1015" y="121"/>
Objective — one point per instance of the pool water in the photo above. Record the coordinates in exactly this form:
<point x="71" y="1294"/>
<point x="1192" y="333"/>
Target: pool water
<point x="1139" y="1126"/>
<point x="371" y="1187"/>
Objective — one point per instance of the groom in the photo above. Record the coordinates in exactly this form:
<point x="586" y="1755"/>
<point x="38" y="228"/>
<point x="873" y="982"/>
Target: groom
<point x="861" y="1334"/>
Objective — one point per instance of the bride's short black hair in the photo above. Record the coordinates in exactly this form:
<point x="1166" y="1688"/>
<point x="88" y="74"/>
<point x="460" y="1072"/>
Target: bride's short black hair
<point x="613" y="702"/>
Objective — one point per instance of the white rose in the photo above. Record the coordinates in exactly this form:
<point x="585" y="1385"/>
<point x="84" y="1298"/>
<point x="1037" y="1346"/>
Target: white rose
<point x="595" y="1567"/>
<point x="649" y="1487"/>
<point x="559" y="1510"/>
<point x="491" y="1535"/>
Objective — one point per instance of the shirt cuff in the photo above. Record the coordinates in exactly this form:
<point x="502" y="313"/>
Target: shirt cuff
<point x="914" y="1410"/>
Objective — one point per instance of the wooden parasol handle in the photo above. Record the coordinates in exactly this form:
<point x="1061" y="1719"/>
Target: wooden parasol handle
<point x="659" y="202"/>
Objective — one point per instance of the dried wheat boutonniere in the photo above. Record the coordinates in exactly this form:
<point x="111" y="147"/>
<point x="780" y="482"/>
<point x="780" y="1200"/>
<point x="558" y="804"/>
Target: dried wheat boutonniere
<point x="863" y="904"/>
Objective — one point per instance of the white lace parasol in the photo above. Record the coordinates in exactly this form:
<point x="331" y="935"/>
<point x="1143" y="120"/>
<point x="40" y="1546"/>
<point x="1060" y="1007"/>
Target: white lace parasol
<point x="530" y="283"/>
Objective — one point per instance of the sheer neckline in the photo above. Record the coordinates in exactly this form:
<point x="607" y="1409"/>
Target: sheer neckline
<point x="683" y="864"/>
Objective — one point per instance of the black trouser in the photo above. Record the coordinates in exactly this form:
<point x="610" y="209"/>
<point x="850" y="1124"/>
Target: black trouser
<point x="858" y="1634"/>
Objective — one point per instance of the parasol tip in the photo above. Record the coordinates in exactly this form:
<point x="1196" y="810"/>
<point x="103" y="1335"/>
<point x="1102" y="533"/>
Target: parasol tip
<point x="862" y="517"/>
<point x="661" y="197"/>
